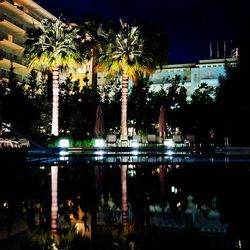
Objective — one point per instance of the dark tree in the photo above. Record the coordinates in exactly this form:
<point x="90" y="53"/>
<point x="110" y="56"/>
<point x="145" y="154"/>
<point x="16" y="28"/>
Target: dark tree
<point x="202" y="112"/>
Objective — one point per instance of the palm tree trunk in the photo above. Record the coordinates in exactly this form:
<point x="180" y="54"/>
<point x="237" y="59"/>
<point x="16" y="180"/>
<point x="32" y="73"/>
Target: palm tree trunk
<point x="54" y="202"/>
<point x="124" y="197"/>
<point x="94" y="84"/>
<point x="55" y="101"/>
<point x="124" y="106"/>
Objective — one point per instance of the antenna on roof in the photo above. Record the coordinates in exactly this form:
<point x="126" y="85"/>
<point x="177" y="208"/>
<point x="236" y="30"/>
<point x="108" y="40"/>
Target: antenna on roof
<point x="218" y="52"/>
<point x="225" y="49"/>
<point x="211" y="51"/>
<point x="231" y="46"/>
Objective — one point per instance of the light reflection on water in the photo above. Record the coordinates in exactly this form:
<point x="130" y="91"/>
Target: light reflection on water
<point x="166" y="191"/>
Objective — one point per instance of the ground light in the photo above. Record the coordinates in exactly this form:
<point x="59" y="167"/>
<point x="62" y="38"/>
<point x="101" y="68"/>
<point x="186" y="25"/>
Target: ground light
<point x="64" y="143"/>
<point x="99" y="143"/>
<point x="174" y="189"/>
<point x="169" y="143"/>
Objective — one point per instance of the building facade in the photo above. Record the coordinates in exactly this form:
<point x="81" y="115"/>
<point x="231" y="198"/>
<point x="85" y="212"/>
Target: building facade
<point x="192" y="75"/>
<point x="16" y="16"/>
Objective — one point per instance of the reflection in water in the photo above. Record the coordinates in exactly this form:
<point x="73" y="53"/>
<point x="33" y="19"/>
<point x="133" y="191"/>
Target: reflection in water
<point x="206" y="198"/>
<point x="124" y="196"/>
<point x="54" y="203"/>
<point x="98" y="179"/>
<point x="162" y="176"/>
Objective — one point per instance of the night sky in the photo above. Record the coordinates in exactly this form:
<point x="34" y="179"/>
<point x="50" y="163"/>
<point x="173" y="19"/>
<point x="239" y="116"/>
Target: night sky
<point x="189" y="25"/>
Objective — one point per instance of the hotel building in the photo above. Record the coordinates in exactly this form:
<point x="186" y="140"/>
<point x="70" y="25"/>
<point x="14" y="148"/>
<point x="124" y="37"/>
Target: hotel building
<point x="192" y="75"/>
<point x="16" y="16"/>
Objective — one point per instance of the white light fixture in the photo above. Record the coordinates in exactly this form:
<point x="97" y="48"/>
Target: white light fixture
<point x="99" y="143"/>
<point x="169" y="143"/>
<point x="174" y="190"/>
<point x="64" y="143"/>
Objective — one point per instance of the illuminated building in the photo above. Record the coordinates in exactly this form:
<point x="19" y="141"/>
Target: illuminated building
<point x="191" y="74"/>
<point x="16" y="16"/>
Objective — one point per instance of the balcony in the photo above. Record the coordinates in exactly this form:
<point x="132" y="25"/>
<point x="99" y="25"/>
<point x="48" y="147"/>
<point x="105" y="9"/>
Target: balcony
<point x="5" y="74"/>
<point x="10" y="57"/>
<point x="12" y="21"/>
<point x="13" y="44"/>
<point x="19" y="69"/>
<point x="20" y="11"/>
<point x="18" y="41"/>
<point x="34" y="9"/>
<point x="9" y="1"/>
<point x="3" y="36"/>
<point x="12" y="25"/>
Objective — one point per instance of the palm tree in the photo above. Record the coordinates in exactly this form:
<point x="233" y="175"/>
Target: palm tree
<point x="90" y="46"/>
<point x="92" y="42"/>
<point x="53" y="46"/>
<point x="155" y="45"/>
<point x="123" y="53"/>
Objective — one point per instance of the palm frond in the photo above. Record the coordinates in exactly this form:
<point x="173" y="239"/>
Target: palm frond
<point x="54" y="43"/>
<point x="124" y="50"/>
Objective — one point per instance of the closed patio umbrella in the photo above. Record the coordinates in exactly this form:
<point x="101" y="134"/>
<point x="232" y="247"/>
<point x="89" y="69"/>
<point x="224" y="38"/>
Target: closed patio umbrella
<point x="162" y="122"/>
<point x="99" y="122"/>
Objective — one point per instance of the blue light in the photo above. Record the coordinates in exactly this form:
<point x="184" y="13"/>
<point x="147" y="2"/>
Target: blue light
<point x="63" y="152"/>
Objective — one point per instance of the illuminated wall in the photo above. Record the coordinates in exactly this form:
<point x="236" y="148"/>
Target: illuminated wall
<point x="192" y="75"/>
<point x="15" y="18"/>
